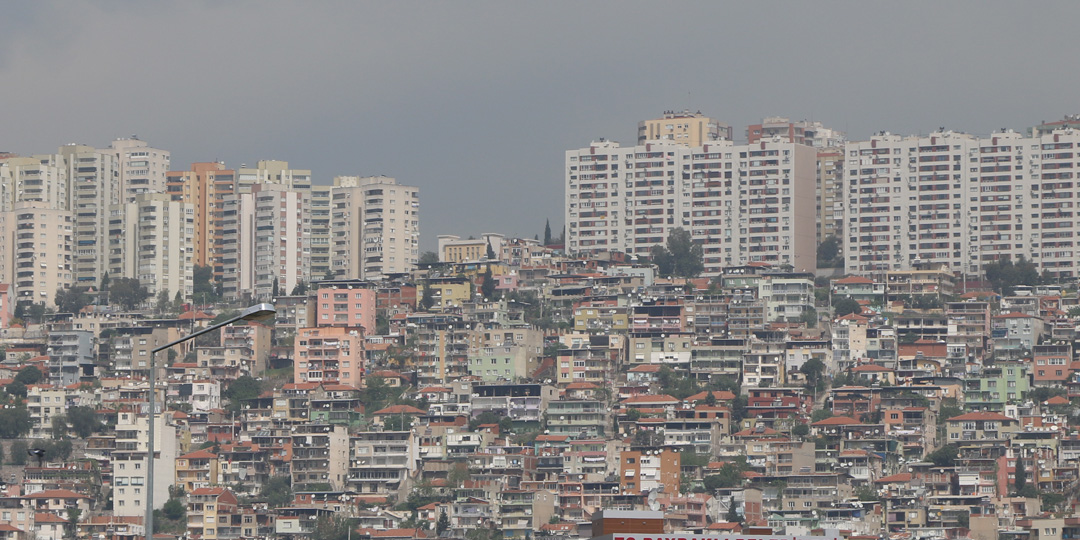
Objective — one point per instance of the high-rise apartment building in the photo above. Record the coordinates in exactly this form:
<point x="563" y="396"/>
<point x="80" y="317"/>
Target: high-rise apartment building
<point x="129" y="462"/>
<point x="32" y="179"/>
<point x="93" y="179"/>
<point x="272" y="171"/>
<point x="685" y="127"/>
<point x="266" y="235"/>
<point x="375" y="226"/>
<point x="142" y="169"/>
<point x="37" y="245"/>
<point x="743" y="203"/>
<point x="829" y="194"/>
<point x="151" y="238"/>
<point x="801" y="132"/>
<point x="962" y="200"/>
<point x="320" y="261"/>
<point x="205" y="187"/>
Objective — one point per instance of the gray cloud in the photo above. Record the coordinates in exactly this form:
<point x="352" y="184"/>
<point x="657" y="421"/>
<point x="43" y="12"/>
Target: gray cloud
<point x="476" y="102"/>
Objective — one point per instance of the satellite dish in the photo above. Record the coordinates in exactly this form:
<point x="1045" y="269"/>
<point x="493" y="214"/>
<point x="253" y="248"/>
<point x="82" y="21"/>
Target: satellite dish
<point x="654" y="504"/>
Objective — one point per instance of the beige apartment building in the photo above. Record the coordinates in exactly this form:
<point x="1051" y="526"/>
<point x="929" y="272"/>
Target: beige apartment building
<point x="204" y="187"/>
<point x="683" y="127"/>
<point x="142" y="169"/>
<point x="32" y="179"/>
<point x="150" y="238"/>
<point x="37" y="246"/>
<point x="265" y="240"/>
<point x="375" y="227"/>
<point x="743" y="203"/>
<point x="962" y="200"/>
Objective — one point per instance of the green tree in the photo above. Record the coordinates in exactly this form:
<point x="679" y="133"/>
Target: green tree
<point x="866" y="493"/>
<point x="1005" y="274"/>
<point x="457" y="475"/>
<point x="809" y="317"/>
<point x="845" y="305"/>
<point x="680" y="257"/>
<point x="1020" y="474"/>
<point x="164" y="304"/>
<point x="732" y="515"/>
<point x="28" y="375"/>
<point x="243" y="388"/>
<point x="300" y="289"/>
<point x="547" y="232"/>
<point x="202" y="281"/>
<point x="58" y="426"/>
<point x="128" y="292"/>
<point x="443" y="524"/>
<point x="427" y="259"/>
<point x="490" y="253"/>
<point x="487" y="288"/>
<point x="84" y="421"/>
<point x="16" y="390"/>
<point x="174" y="509"/>
<point x="820" y="414"/>
<point x="71" y="526"/>
<point x="828" y="252"/>
<point x="71" y="299"/>
<point x="944" y="456"/>
<point x="331" y="528"/>
<point x="800" y="430"/>
<point x="18" y="452"/>
<point x="427" y="299"/>
<point x="276" y="290"/>
<point x="814" y="370"/>
<point x="277" y="492"/>
<point x="729" y="476"/>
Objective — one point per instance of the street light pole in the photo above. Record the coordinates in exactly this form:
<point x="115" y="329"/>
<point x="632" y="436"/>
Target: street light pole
<point x="253" y="313"/>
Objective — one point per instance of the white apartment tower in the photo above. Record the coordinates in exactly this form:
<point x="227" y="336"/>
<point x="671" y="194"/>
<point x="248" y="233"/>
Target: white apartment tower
<point x="266" y="238"/>
<point x="93" y="178"/>
<point x="271" y="171"/>
<point x="32" y="179"/>
<point x="375" y="226"/>
<point x="128" y="462"/>
<point x="151" y="238"/>
<point x="962" y="200"/>
<point x="37" y="246"/>
<point x="141" y="168"/>
<point x="743" y="203"/>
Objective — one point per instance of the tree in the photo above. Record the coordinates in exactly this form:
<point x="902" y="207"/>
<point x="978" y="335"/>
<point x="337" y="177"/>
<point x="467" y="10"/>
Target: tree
<point x="1021" y="474"/>
<point x="547" y="232"/>
<point x="72" y="299"/>
<point x="71" y="526"/>
<point x="944" y="456"/>
<point x="331" y="528"/>
<point x="487" y="288"/>
<point x="828" y="252"/>
<point x="84" y="421"/>
<point x="243" y="388"/>
<point x="427" y="259"/>
<point x="178" y="302"/>
<point x="443" y="524"/>
<point x="845" y="305"/>
<point x="1005" y="274"/>
<point x="128" y="292"/>
<point x="457" y="475"/>
<point x="813" y="369"/>
<point x="58" y="426"/>
<point x="809" y="317"/>
<point x="800" y="430"/>
<point x="490" y="253"/>
<point x="680" y="257"/>
<point x="164" y="305"/>
<point x="277" y="492"/>
<point x="733" y="512"/>
<point x="300" y="288"/>
<point x="28" y="375"/>
<point x="276" y="290"/>
<point x="427" y="299"/>
<point x="174" y="509"/>
<point x="729" y="476"/>
<point x="18" y="452"/>
<point x="820" y="414"/>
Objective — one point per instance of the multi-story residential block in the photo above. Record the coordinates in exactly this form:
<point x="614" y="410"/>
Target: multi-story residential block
<point x="320" y="457"/>
<point x="321" y="262"/>
<point x="801" y="132"/>
<point x="683" y="127"/>
<point x="205" y="187"/>
<point x="150" y="239"/>
<point x="345" y="303"/>
<point x="375" y="225"/>
<point x="142" y="169"/>
<point x="977" y="426"/>
<point x="38" y="251"/>
<point x="265" y="240"/>
<point x="644" y="471"/>
<point x="743" y="203"/>
<point x="198" y="469"/>
<point x="581" y="419"/>
<point x="32" y="179"/>
<point x="961" y="200"/>
<point x="786" y="295"/>
<point x="995" y="386"/>
<point x="830" y="193"/>
<point x="129" y="464"/>
<point x="71" y="357"/>
<point x="382" y="462"/>
<point x="213" y="513"/>
<point x="329" y="354"/>
<point x="594" y="360"/>
<point x="93" y="177"/>
<point x="1016" y="334"/>
<point x="44" y="402"/>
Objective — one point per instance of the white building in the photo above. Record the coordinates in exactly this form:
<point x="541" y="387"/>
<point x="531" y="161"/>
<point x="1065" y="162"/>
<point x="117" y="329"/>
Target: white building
<point x="266" y="239"/>
<point x="37" y="245"/>
<point x="141" y="168"/>
<point x="962" y="200"/>
<point x="375" y="225"/>
<point x="151" y="238"/>
<point x="743" y="203"/>
<point x="129" y="463"/>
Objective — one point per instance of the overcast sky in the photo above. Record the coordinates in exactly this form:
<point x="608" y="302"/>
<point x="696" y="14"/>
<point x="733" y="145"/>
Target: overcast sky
<point x="475" y="102"/>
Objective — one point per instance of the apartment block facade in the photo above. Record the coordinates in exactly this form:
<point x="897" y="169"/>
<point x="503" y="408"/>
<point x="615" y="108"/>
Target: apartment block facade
<point x="375" y="227"/>
<point x="742" y="203"/>
<point x="962" y="200"/>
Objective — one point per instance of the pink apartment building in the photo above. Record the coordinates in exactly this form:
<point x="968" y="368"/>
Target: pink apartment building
<point x="345" y="303"/>
<point x="329" y="354"/>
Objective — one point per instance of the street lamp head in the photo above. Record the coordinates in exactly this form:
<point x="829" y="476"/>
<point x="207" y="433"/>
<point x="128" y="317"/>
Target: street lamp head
<point x="258" y="312"/>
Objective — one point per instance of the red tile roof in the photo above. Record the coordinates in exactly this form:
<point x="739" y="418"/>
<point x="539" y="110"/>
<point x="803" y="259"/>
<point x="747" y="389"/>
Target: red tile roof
<point x="981" y="415"/>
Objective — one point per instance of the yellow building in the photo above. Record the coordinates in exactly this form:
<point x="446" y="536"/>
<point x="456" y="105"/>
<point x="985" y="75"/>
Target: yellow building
<point x="448" y="291"/>
<point x="686" y="128"/>
<point x="196" y="470"/>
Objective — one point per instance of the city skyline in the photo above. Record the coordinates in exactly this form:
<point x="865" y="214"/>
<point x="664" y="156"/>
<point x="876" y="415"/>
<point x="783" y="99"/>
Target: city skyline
<point x="348" y="89"/>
